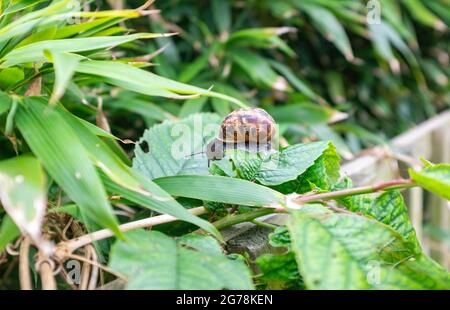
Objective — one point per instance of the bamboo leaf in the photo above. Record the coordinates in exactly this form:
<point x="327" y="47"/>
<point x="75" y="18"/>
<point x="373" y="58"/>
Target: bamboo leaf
<point x="145" y="82"/>
<point x="65" y="159"/>
<point x="220" y="189"/>
<point x="23" y="195"/>
<point x="8" y="232"/>
<point x="64" y="65"/>
<point x="35" y="52"/>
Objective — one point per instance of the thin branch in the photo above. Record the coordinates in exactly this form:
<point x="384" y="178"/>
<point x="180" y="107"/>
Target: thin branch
<point x="85" y="273"/>
<point x="47" y="277"/>
<point x="68" y="247"/>
<point x="24" y="265"/>
<point x="95" y="269"/>
<point x="382" y="186"/>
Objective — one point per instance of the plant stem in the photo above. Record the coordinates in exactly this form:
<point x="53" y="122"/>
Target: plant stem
<point x="231" y="220"/>
<point x="65" y="248"/>
<point x="389" y="185"/>
<point x="69" y="246"/>
<point x="24" y="265"/>
<point x="264" y="224"/>
<point x="47" y="278"/>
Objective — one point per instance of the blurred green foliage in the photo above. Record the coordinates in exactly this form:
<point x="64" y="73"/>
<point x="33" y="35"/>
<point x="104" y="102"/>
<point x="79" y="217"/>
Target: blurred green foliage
<point x="387" y="74"/>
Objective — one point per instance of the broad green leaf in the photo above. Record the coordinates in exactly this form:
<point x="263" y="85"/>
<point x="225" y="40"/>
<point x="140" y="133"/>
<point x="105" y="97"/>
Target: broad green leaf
<point x="145" y="82"/>
<point x="35" y="52"/>
<point x="280" y="237"/>
<point x="340" y="251"/>
<point x="279" y="270"/>
<point x="10" y="77"/>
<point x="65" y="159"/>
<point x="289" y="165"/>
<point x="220" y="189"/>
<point x="23" y="194"/>
<point x="151" y="260"/>
<point x="176" y="147"/>
<point x="8" y="232"/>
<point x="388" y="208"/>
<point x="436" y="179"/>
<point x="64" y="65"/>
<point x="201" y="243"/>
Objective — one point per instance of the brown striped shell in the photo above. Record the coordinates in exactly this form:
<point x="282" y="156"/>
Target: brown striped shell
<point x="247" y="125"/>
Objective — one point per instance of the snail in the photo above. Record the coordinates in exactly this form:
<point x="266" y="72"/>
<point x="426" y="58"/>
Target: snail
<point x="251" y="129"/>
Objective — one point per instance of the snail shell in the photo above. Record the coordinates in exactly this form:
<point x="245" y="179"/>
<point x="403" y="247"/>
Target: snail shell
<point x="249" y="128"/>
<point x="247" y="125"/>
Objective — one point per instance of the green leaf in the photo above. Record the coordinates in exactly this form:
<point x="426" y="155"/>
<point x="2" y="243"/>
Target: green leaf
<point x="341" y="251"/>
<point x="258" y="69"/>
<point x="167" y="205"/>
<point x="65" y="159"/>
<point x="261" y="38"/>
<point x="129" y="183"/>
<point x="8" y="232"/>
<point x="303" y="113"/>
<point x="151" y="260"/>
<point x="220" y="189"/>
<point x="201" y="243"/>
<point x="388" y="208"/>
<point x="145" y="82"/>
<point x="295" y="81"/>
<point x="176" y="147"/>
<point x="145" y="108"/>
<point x="23" y="194"/>
<point x="221" y="13"/>
<point x="64" y="65"/>
<point x="279" y="268"/>
<point x="292" y="168"/>
<point x="436" y="179"/>
<point x="47" y="33"/>
<point x="10" y="77"/>
<point x="330" y="27"/>
<point x="192" y="106"/>
<point x="280" y="237"/>
<point x="35" y="52"/>
<point x="5" y="102"/>
<point x="422" y="14"/>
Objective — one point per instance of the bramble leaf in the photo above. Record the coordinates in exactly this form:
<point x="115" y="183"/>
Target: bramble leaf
<point x="152" y="260"/>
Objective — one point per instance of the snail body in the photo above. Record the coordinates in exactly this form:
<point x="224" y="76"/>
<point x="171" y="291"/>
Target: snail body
<point x="251" y="129"/>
